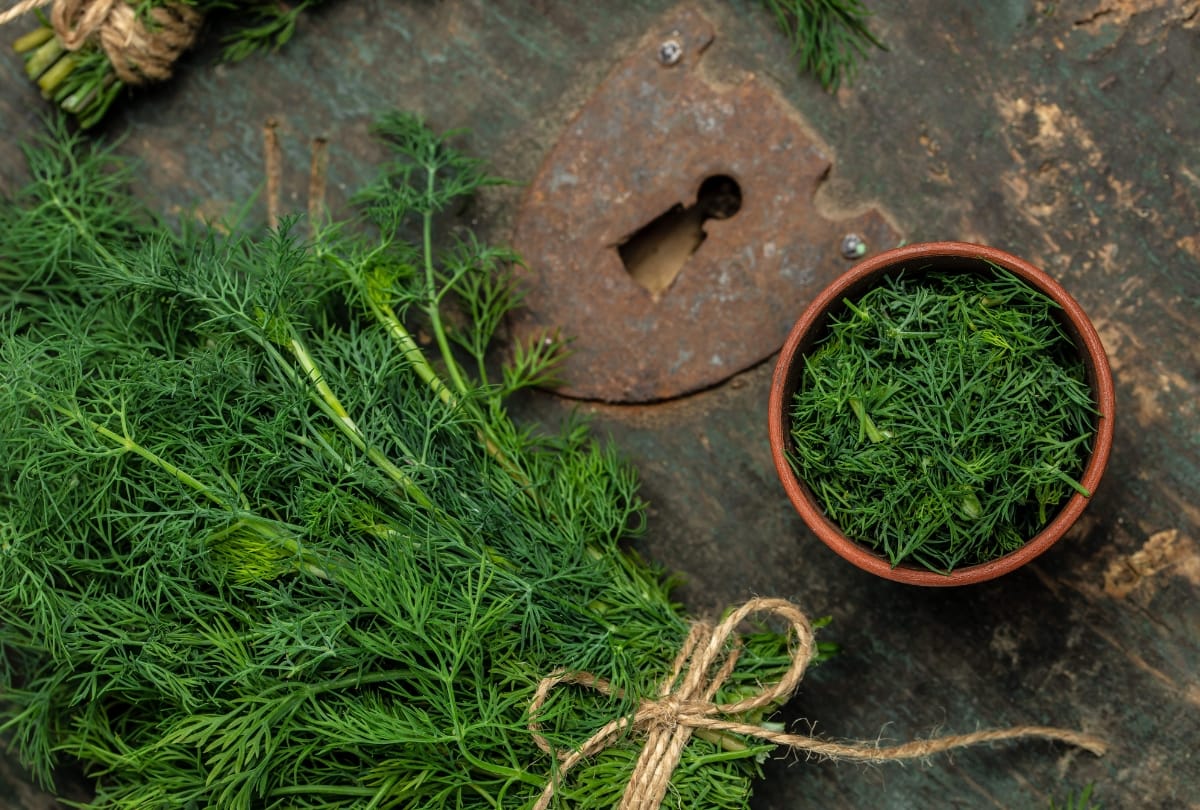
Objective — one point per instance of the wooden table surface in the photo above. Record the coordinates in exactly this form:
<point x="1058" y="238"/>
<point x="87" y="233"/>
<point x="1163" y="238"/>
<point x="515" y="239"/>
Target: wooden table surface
<point x="1064" y="132"/>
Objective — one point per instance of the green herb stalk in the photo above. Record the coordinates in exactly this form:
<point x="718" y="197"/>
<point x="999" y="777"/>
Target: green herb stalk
<point x="944" y="418"/>
<point x="261" y="548"/>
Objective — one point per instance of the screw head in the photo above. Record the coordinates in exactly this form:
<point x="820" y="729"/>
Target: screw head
<point x="853" y="246"/>
<point x="670" y="51"/>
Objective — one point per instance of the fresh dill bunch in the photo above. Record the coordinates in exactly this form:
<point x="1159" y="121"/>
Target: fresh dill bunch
<point x="828" y="36"/>
<point x="83" y="82"/>
<point x="263" y="549"/>
<point x="944" y="418"/>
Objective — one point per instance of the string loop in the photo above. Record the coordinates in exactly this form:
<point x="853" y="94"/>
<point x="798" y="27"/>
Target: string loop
<point x="686" y="703"/>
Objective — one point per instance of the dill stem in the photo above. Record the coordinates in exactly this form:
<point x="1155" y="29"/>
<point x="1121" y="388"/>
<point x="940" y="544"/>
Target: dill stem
<point x="432" y="310"/>
<point x="75" y="102"/>
<point x="412" y="352"/>
<point x="1072" y="483"/>
<point x="416" y="357"/>
<point x="93" y="107"/>
<point x="323" y="394"/>
<point x="126" y="443"/>
<point x="492" y="769"/>
<point x="38" y="36"/>
<point x="43" y="57"/>
<point x="723" y="739"/>
<point x="348" y="426"/>
<point x="356" y="681"/>
<point x="317" y="380"/>
<point x="86" y="233"/>
<point x="50" y="81"/>
<point x="869" y="426"/>
<point x="386" y="315"/>
<point x="323" y="790"/>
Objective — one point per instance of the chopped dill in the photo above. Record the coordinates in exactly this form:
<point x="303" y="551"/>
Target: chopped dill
<point x="944" y="418"/>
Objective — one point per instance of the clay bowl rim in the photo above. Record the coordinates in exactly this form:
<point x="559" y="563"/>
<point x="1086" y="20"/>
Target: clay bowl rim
<point x="858" y="279"/>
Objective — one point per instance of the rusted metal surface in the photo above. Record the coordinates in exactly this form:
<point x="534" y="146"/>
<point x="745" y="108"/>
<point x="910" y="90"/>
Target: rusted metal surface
<point x="646" y="141"/>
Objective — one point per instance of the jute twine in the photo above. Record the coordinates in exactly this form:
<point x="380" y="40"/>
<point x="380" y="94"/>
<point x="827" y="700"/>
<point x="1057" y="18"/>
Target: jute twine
<point x="685" y="704"/>
<point x="141" y="48"/>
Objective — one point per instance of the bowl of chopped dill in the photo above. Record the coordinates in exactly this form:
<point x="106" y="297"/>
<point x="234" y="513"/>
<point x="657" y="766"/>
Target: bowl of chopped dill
<point x="941" y="413"/>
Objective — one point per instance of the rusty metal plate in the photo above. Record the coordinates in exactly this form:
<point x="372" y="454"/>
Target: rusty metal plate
<point x="662" y="145"/>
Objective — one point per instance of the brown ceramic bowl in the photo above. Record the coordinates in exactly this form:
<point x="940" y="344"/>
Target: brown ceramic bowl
<point x="812" y="326"/>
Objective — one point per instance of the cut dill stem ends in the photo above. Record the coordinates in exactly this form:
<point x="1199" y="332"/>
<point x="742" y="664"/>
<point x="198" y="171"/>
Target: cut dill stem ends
<point x="263" y="549"/>
<point x="944" y="417"/>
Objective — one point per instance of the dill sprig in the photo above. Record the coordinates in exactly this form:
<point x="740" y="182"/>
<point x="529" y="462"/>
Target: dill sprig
<point x="944" y="418"/>
<point x="262" y="548"/>
<point x="828" y="36"/>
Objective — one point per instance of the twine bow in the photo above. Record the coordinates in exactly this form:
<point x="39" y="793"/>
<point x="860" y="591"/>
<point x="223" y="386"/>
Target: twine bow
<point x="685" y="704"/>
<point x="141" y="47"/>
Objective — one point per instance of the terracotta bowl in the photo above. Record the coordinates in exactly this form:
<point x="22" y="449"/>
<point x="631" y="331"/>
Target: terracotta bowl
<point x="812" y="327"/>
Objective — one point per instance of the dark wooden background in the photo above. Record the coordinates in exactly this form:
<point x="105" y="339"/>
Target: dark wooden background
<point x="1066" y="133"/>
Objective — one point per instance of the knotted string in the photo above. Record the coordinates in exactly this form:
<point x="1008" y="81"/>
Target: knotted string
<point x="685" y="704"/>
<point x="142" y="48"/>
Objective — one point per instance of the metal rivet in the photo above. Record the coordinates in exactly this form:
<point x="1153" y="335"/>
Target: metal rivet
<point x="853" y="246"/>
<point x="670" y="52"/>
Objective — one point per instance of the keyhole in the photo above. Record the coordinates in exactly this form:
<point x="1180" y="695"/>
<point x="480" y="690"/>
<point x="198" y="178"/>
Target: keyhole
<point x="655" y="253"/>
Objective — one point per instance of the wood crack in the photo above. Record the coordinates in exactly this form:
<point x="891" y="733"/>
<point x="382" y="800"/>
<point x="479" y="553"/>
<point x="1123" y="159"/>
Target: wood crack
<point x="1095" y="15"/>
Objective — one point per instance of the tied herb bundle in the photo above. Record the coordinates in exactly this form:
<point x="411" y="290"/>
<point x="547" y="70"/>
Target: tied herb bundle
<point x="261" y="548"/>
<point x="944" y="417"/>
